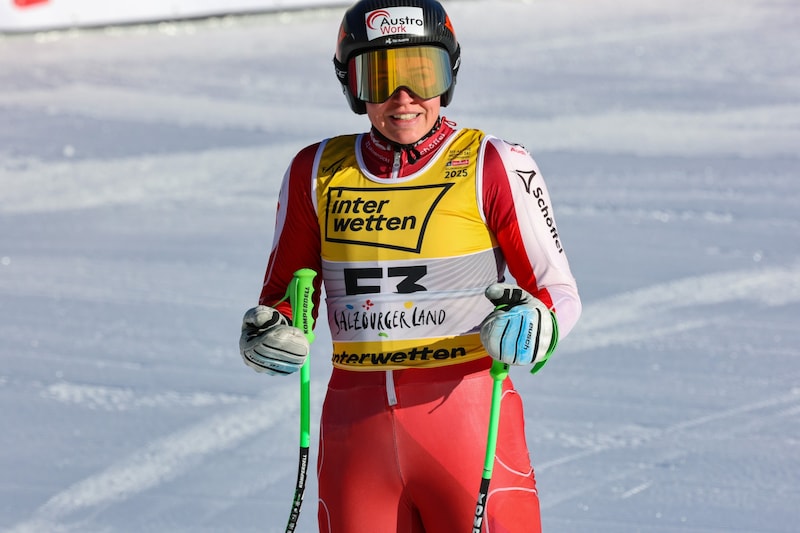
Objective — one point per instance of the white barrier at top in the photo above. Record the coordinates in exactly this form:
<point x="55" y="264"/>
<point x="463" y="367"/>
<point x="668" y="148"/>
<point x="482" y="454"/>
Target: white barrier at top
<point x="38" y="15"/>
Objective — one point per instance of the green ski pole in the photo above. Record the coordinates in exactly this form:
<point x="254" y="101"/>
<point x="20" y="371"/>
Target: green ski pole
<point x="499" y="372"/>
<point x="299" y="293"/>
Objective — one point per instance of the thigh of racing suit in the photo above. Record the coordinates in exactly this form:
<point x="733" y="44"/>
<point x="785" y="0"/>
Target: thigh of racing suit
<point x="416" y="466"/>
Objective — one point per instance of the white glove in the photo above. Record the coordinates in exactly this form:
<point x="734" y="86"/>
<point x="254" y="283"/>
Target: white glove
<point x="269" y="344"/>
<point x="521" y="330"/>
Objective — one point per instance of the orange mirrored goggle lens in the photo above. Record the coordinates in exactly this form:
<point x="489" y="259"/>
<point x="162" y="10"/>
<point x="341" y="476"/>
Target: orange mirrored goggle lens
<point x="376" y="75"/>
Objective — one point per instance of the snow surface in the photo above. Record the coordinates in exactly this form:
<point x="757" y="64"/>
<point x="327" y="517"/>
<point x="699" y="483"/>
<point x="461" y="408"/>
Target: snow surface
<point x="139" y="169"/>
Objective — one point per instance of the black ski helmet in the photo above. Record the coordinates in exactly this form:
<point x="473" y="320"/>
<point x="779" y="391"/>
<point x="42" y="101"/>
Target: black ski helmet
<point x="355" y="38"/>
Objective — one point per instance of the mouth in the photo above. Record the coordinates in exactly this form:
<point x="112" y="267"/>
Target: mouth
<point x="405" y="116"/>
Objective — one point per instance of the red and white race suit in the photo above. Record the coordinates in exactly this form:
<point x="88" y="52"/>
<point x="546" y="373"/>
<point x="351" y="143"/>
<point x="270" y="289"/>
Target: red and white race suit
<point x="406" y="247"/>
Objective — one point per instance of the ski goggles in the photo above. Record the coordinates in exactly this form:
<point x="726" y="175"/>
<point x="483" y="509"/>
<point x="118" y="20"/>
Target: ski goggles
<point x="374" y="76"/>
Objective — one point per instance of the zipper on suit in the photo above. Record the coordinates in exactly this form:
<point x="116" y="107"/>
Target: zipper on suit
<point x="391" y="393"/>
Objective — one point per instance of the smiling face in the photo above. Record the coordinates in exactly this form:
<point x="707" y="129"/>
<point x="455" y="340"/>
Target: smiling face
<point x="404" y="117"/>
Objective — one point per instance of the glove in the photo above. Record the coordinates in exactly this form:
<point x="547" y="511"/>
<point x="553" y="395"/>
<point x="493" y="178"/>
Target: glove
<point x="269" y="344"/>
<point x="521" y="330"/>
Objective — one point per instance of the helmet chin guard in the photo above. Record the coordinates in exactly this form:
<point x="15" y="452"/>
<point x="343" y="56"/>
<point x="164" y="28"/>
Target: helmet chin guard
<point x="386" y="24"/>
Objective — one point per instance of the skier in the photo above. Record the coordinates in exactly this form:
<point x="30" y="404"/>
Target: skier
<point x="412" y="226"/>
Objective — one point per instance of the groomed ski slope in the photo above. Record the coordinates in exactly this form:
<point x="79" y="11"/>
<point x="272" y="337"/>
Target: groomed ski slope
<point x="139" y="169"/>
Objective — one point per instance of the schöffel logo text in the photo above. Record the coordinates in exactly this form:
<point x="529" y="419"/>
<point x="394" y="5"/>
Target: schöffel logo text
<point x="527" y="179"/>
<point x="394" y="21"/>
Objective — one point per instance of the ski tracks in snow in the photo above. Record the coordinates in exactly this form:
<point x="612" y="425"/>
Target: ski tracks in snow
<point x="646" y="314"/>
<point x="669" y="444"/>
<point x="161" y="461"/>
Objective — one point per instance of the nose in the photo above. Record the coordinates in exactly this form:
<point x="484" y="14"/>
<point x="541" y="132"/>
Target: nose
<point x="403" y="95"/>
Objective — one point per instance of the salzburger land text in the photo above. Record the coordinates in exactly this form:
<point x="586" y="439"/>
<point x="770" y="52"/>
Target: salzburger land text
<point x="347" y="320"/>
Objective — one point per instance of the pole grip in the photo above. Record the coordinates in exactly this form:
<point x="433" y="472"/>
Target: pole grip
<point x="302" y="288"/>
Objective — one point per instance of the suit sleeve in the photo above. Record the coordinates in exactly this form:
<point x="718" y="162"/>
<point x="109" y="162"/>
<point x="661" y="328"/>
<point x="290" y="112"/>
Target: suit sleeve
<point x="517" y="208"/>
<point x="296" y="242"/>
